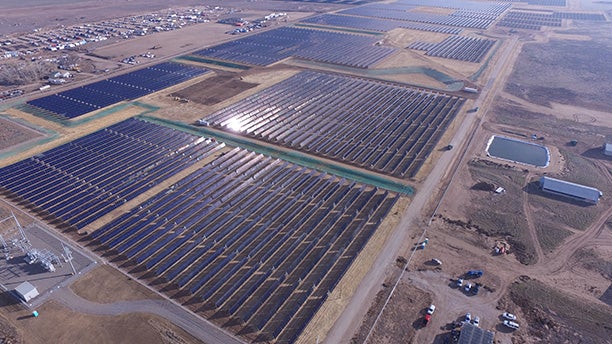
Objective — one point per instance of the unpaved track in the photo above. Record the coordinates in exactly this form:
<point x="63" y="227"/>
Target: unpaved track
<point x="193" y="324"/>
<point x="531" y="226"/>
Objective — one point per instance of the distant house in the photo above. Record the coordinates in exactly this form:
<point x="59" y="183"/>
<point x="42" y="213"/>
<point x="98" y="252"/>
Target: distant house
<point x="607" y="148"/>
<point x="572" y="190"/>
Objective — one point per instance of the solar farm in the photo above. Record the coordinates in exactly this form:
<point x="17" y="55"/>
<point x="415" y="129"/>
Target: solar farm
<point x="468" y="49"/>
<point x="535" y="20"/>
<point x="468" y="14"/>
<point x="255" y="184"/>
<point x="256" y="238"/>
<point x="376" y="24"/>
<point x="378" y="126"/>
<point x="79" y="182"/>
<point x="323" y="46"/>
<point x="76" y="102"/>
<point x="259" y="239"/>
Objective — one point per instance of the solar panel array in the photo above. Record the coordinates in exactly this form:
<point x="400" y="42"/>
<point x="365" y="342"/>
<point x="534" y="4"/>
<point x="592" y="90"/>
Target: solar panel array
<point x="257" y="238"/>
<point x="378" y="126"/>
<point x="376" y="24"/>
<point x="83" y="180"/>
<point x="580" y="16"/>
<point x="469" y="14"/>
<point x="560" y="3"/>
<point x="466" y="5"/>
<point x="429" y="18"/>
<point x="324" y="46"/>
<point x="339" y="2"/>
<point x="469" y="49"/>
<point x="79" y="101"/>
<point x="529" y="20"/>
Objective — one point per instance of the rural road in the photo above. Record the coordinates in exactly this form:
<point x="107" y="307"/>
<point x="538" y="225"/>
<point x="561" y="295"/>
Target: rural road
<point x="193" y="324"/>
<point x="350" y="320"/>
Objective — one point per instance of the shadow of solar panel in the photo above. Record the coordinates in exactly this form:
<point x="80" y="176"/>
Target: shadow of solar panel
<point x="377" y="126"/>
<point x="256" y="237"/>
<point x="85" y="179"/>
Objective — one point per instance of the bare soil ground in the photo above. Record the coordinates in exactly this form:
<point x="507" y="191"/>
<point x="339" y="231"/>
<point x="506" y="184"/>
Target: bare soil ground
<point x="13" y="133"/>
<point x="215" y="90"/>
<point x="107" y="285"/>
<point x="64" y="326"/>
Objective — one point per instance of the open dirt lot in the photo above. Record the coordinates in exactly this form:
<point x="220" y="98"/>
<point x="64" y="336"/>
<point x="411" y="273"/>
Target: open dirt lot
<point x="12" y="133"/>
<point x="215" y="89"/>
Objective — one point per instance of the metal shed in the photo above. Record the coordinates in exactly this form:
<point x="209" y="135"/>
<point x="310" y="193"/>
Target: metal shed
<point x="26" y="291"/>
<point x="607" y="148"/>
<point x="569" y="189"/>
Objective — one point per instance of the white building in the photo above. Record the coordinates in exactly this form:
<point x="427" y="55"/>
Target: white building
<point x="572" y="190"/>
<point x="26" y="291"/>
<point x="607" y="148"/>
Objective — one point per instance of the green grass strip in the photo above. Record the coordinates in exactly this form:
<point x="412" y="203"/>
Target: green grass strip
<point x="295" y="157"/>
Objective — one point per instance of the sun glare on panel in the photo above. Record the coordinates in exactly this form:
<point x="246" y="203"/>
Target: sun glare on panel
<point x="234" y="124"/>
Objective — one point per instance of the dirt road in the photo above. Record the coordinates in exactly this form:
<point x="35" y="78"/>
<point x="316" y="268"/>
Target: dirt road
<point x="195" y="325"/>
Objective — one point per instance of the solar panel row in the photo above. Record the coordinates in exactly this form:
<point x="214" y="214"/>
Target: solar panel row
<point x="91" y="97"/>
<point x="258" y="238"/>
<point x="323" y="46"/>
<point x="469" y="14"/>
<point x="469" y="49"/>
<point x="382" y="127"/>
<point x="375" y="24"/>
<point x="83" y="180"/>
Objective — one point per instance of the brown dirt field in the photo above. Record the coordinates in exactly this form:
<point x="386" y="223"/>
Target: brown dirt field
<point x="12" y="134"/>
<point x="105" y="284"/>
<point x="173" y="43"/>
<point x="64" y="326"/>
<point x="190" y="112"/>
<point x="403" y="317"/>
<point x="215" y="89"/>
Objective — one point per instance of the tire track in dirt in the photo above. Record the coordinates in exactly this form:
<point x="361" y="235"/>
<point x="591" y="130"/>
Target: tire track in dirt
<point x="528" y="216"/>
<point x="566" y="250"/>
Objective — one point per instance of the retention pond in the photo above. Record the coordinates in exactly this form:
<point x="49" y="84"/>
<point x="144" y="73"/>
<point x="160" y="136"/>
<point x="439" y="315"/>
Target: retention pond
<point x="518" y="151"/>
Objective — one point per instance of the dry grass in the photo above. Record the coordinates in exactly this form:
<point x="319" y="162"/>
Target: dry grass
<point x="107" y="285"/>
<point x="501" y="215"/>
<point x="552" y="315"/>
<point x="550" y="236"/>
<point x="60" y="325"/>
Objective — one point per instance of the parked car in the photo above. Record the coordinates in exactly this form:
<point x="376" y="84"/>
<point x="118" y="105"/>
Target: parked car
<point x="460" y="282"/>
<point x="426" y="319"/>
<point x="476" y="289"/>
<point x="476" y="321"/>
<point x="431" y="309"/>
<point x="509" y="316"/>
<point x="511" y="324"/>
<point x="468" y="317"/>
<point x="475" y="273"/>
<point x="436" y="261"/>
<point x="468" y="287"/>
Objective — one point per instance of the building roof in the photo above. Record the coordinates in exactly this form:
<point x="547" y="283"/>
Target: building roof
<point x="570" y="189"/>
<point x="27" y="291"/>
<point x="471" y="334"/>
